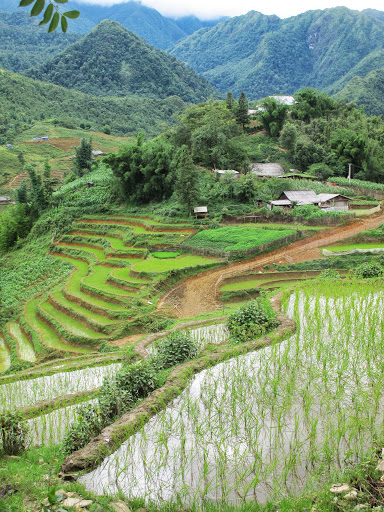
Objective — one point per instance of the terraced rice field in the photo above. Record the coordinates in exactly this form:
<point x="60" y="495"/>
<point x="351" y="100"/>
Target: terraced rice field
<point x="105" y="293"/>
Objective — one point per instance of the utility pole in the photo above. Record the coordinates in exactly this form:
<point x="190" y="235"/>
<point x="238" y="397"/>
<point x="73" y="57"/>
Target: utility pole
<point x="349" y="172"/>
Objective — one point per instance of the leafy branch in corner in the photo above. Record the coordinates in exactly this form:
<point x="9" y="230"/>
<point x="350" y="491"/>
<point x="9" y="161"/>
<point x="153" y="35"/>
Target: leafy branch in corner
<point x="51" y="15"/>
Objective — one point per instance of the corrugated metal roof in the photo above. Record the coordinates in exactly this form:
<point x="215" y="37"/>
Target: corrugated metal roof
<point x="280" y="202"/>
<point x="272" y="169"/>
<point x="200" y="209"/>
<point x="301" y="197"/>
<point x="226" y="171"/>
<point x="328" y="197"/>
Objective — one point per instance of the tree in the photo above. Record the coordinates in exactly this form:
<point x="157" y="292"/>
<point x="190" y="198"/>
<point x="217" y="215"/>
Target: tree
<point x="187" y="179"/>
<point x="272" y="116"/>
<point x="242" y="116"/>
<point x="230" y="101"/>
<point x="51" y="14"/>
<point x="83" y="157"/>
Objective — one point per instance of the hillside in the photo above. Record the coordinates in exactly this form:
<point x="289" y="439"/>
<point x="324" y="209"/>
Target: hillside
<point x="21" y="36"/>
<point x="263" y="55"/>
<point x="367" y="91"/>
<point x="144" y="21"/>
<point x="111" y="61"/>
<point x="29" y="100"/>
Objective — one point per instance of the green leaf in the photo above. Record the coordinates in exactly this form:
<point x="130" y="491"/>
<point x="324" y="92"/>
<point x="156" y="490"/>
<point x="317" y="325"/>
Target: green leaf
<point x="38" y="7"/>
<point x="54" y="23"/>
<point x="47" y="15"/>
<point x="72" y="14"/>
<point x="64" y="23"/>
<point x="24" y="3"/>
<point x="61" y="1"/>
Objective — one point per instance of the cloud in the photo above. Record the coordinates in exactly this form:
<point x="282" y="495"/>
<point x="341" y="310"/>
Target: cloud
<point x="217" y="8"/>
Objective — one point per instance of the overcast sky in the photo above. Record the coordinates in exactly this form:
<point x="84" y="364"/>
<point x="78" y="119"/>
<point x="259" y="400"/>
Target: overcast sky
<point x="215" y="8"/>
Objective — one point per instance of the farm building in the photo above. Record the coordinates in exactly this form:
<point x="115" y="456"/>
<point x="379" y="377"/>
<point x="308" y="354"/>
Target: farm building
<point x="267" y="170"/>
<point x="97" y="152"/>
<point x="5" y="200"/>
<point x="200" y="212"/>
<point x="291" y="198"/>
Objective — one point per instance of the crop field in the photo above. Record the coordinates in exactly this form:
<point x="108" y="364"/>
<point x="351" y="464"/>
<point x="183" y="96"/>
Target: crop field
<point x="340" y="248"/>
<point x="270" y="423"/>
<point x="236" y="238"/>
<point x="93" y="289"/>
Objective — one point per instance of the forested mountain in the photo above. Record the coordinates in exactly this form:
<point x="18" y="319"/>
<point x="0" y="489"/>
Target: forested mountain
<point x="264" y="55"/>
<point x="144" y="21"/>
<point x="367" y="91"/>
<point x="23" y="44"/>
<point x="24" y="100"/>
<point x="112" y="61"/>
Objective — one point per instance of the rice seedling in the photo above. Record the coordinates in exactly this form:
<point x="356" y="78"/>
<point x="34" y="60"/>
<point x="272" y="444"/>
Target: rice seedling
<point x="270" y="423"/>
<point x="22" y="393"/>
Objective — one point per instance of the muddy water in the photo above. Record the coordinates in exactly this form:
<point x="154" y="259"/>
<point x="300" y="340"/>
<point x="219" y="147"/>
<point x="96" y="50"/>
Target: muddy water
<point x="268" y="423"/>
<point x="28" y="392"/>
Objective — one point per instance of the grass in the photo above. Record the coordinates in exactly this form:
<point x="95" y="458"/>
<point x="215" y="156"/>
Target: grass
<point x="70" y="324"/>
<point x="97" y="280"/>
<point x="99" y="253"/>
<point x="155" y="265"/>
<point x="340" y="248"/>
<point x="48" y="335"/>
<point x="25" y="349"/>
<point x="5" y="358"/>
<point x="233" y="238"/>
<point x="165" y="255"/>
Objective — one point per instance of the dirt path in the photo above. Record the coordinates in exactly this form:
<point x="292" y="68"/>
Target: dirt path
<point x="198" y="294"/>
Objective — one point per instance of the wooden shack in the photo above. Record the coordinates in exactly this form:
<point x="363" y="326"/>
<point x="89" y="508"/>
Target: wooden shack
<point x="200" y="212"/>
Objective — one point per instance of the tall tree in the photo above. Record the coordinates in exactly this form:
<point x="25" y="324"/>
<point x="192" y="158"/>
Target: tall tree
<point x="83" y="157"/>
<point x="242" y="116"/>
<point x="187" y="179"/>
<point x="230" y="101"/>
<point x="272" y="116"/>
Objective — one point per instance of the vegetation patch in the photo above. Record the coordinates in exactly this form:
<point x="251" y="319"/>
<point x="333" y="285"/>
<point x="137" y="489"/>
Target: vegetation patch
<point x="163" y="255"/>
<point x="229" y="239"/>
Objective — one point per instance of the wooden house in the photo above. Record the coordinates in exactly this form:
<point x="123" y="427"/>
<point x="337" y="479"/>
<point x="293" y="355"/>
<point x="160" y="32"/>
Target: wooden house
<point x="200" y="212"/>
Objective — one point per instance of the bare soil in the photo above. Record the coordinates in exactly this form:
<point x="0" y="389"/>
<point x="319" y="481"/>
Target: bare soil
<point x="199" y="294"/>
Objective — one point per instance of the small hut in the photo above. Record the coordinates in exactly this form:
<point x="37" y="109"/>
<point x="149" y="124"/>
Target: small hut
<point x="200" y="212"/>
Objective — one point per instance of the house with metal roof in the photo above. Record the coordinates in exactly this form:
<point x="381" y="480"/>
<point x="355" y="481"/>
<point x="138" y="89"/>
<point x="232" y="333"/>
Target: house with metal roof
<point x="291" y="198"/>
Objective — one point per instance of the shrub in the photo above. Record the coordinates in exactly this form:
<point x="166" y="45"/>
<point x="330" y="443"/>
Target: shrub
<point x="88" y="425"/>
<point x="138" y="378"/>
<point x="251" y="320"/>
<point x="13" y="433"/>
<point x="369" y="270"/>
<point x="175" y="348"/>
<point x="329" y="273"/>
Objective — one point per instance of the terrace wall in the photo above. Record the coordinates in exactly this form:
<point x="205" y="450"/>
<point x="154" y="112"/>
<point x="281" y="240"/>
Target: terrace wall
<point x="281" y="218"/>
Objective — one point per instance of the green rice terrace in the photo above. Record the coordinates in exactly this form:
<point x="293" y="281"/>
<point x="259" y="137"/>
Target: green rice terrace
<point x="110" y="380"/>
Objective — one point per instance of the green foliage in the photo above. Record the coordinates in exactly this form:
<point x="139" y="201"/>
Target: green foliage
<point x="174" y="349"/>
<point x="51" y="14"/>
<point x="144" y="171"/>
<point x="329" y="273"/>
<point x="187" y="179"/>
<point x="369" y="270"/>
<point x="83" y="157"/>
<point x="165" y="255"/>
<point x="14" y="224"/>
<point x="273" y="116"/>
<point x="251" y="320"/>
<point x="242" y="116"/>
<point x="28" y="100"/>
<point x="13" y="433"/>
<point x="262" y="55"/>
<point x="126" y="65"/>
<point x="236" y="238"/>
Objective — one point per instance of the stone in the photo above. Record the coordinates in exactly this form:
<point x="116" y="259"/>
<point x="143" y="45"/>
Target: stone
<point x="351" y="495"/>
<point x="41" y="461"/>
<point x="72" y="477"/>
<point x="76" y="502"/>
<point x="119" y="506"/>
<point x="361" y="506"/>
<point x="380" y="466"/>
<point x="339" y="488"/>
<point x="45" y="502"/>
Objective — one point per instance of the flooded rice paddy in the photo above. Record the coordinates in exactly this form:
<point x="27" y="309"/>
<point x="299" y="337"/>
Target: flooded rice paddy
<point x="269" y="423"/>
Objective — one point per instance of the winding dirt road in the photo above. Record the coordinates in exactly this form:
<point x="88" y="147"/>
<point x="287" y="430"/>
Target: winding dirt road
<point x="199" y="294"/>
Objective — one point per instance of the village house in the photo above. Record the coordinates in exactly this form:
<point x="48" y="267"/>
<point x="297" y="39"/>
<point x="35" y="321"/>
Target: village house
<point x="200" y="212"/>
<point x="226" y="172"/>
<point x="270" y="170"/>
<point x="330" y="202"/>
<point x="5" y="200"/>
